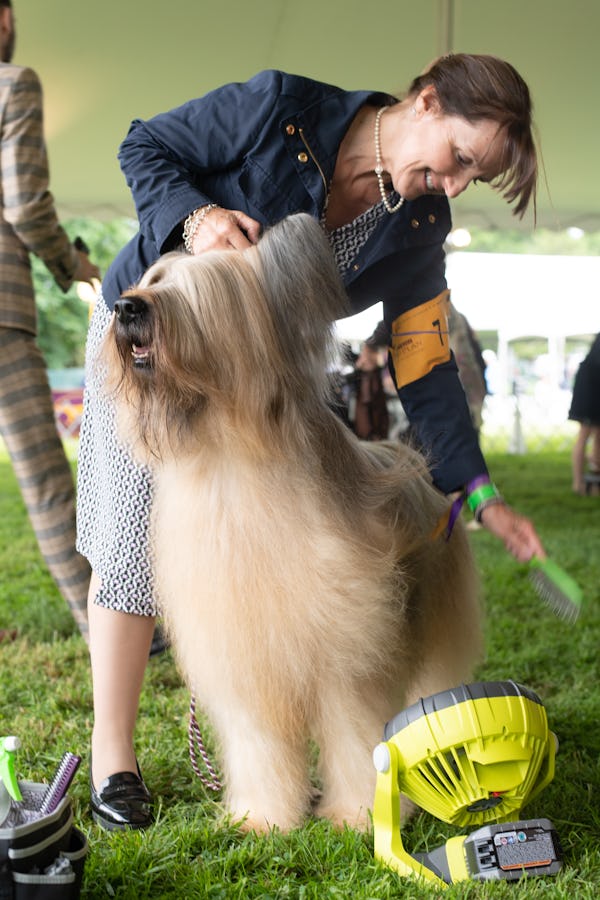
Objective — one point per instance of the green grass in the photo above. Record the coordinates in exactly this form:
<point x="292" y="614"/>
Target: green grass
<point x="45" y="698"/>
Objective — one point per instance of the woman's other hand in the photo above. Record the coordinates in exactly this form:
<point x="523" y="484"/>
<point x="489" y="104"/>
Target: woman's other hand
<point x="515" y="531"/>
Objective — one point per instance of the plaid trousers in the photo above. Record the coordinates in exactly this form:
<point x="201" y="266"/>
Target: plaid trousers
<point x="28" y="427"/>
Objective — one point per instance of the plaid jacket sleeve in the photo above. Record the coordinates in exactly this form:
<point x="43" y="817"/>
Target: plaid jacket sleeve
<point x="28" y="205"/>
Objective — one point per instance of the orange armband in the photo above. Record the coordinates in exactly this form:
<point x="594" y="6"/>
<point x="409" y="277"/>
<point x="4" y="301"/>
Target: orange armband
<point x="420" y="339"/>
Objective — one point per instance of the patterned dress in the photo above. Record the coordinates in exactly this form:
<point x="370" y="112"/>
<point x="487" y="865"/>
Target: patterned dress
<point x="114" y="495"/>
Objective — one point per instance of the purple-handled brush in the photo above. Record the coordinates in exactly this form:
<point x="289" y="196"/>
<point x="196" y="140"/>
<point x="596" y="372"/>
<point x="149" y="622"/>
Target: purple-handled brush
<point x="59" y="785"/>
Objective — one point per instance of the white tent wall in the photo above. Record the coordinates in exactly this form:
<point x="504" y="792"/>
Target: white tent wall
<point x="519" y="296"/>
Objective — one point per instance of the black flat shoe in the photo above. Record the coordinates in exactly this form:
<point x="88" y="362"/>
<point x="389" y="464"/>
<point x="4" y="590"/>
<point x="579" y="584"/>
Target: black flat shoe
<point x="121" y="801"/>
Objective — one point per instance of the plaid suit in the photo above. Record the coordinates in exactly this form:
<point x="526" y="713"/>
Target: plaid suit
<point x="29" y="224"/>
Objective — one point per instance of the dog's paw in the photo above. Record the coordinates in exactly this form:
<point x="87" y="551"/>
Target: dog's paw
<point x="244" y="822"/>
<point x="345" y="816"/>
<point x="261" y="825"/>
<point x="255" y="825"/>
<point x="263" y="819"/>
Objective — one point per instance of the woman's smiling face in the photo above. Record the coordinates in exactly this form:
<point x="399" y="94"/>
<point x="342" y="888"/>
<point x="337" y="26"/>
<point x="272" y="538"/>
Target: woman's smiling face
<point x="440" y="154"/>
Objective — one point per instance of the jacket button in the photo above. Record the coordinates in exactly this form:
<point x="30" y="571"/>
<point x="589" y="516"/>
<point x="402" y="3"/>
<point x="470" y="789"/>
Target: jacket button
<point x="303" y="157"/>
<point x="290" y="129"/>
<point x="414" y="223"/>
<point x="431" y="218"/>
<point x="355" y="267"/>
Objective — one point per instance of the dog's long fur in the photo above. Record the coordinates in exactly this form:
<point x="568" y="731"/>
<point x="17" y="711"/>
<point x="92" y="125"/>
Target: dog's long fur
<point x="301" y="587"/>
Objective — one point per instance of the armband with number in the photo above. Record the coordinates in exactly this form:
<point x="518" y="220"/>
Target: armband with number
<point x="420" y="339"/>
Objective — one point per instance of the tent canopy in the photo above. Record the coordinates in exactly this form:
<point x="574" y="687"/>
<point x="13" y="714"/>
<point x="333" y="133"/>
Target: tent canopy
<point x="105" y="63"/>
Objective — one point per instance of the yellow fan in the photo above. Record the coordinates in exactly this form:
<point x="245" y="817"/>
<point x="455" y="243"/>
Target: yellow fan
<point x="473" y="755"/>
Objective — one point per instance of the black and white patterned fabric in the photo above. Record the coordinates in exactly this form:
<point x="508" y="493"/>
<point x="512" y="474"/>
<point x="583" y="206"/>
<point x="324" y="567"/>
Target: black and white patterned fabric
<point x="114" y="494"/>
<point x="347" y="240"/>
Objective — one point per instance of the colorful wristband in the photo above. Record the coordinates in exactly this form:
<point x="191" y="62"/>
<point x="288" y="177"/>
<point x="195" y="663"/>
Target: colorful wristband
<point x="477" y="482"/>
<point x="481" y="494"/>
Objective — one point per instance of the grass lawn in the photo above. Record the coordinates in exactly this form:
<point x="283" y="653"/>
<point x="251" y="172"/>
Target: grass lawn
<point x="45" y="698"/>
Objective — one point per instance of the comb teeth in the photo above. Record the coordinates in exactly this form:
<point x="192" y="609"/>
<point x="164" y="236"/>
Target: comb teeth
<point x="557" y="589"/>
<point x="558" y="602"/>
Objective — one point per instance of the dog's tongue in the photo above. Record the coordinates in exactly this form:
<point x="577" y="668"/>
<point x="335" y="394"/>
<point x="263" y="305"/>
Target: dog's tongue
<point x="139" y="351"/>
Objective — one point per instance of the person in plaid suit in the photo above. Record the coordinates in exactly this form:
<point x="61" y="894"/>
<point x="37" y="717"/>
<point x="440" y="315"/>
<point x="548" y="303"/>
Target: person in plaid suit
<point x="29" y="224"/>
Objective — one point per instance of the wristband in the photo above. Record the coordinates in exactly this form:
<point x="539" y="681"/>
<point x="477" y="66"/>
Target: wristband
<point x="477" y="482"/>
<point x="481" y="494"/>
<point x="193" y="221"/>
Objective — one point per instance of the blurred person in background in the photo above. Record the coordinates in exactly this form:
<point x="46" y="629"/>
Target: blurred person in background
<point x="585" y="409"/>
<point x="29" y="224"/>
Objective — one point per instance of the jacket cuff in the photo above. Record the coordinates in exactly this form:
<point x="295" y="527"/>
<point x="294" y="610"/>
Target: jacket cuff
<point x="64" y="270"/>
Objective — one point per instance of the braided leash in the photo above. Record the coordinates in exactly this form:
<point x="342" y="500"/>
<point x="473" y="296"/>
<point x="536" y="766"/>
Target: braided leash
<point x="195" y="742"/>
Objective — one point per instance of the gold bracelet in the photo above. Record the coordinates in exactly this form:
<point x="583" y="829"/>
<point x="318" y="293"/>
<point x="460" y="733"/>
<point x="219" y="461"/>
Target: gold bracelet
<point x="193" y="221"/>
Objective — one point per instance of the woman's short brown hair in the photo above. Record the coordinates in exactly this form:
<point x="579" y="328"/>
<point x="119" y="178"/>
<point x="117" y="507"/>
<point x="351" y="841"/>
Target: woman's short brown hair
<point x="479" y="87"/>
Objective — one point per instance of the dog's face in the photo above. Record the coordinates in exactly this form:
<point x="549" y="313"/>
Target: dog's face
<point x="195" y="334"/>
<point x="133" y="330"/>
<point x="174" y="323"/>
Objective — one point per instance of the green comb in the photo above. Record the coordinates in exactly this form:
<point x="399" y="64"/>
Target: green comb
<point x="557" y="589"/>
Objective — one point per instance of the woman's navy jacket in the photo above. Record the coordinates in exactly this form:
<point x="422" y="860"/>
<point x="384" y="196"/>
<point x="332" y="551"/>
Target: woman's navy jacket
<point x="268" y="147"/>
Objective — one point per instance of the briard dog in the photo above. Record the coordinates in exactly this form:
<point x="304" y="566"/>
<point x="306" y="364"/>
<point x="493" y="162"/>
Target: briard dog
<point x="306" y="595"/>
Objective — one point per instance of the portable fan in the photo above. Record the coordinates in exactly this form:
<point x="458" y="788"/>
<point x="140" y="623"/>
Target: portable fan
<point x="473" y="755"/>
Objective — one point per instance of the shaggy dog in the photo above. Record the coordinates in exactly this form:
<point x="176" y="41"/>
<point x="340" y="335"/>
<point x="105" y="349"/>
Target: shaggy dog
<point x="305" y="595"/>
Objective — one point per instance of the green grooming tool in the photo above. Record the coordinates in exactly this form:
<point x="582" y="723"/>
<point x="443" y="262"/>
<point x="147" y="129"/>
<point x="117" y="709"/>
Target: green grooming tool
<point x="557" y="589"/>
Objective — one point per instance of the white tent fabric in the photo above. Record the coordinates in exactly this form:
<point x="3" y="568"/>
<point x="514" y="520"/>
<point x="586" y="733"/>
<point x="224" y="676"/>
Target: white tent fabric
<point x="519" y="296"/>
<point x="526" y="296"/>
<point x="516" y="295"/>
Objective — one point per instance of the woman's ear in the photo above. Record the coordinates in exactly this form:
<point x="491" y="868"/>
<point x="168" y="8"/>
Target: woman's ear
<point x="427" y="102"/>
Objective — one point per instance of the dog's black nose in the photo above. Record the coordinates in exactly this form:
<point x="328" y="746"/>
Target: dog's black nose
<point x="128" y="309"/>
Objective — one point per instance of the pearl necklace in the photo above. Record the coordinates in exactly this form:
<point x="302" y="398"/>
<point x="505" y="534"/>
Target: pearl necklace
<point x="379" y="167"/>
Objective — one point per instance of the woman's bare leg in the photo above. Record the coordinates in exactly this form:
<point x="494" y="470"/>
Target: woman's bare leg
<point x="594" y="459"/>
<point x="119" y="647"/>
<point x="578" y="458"/>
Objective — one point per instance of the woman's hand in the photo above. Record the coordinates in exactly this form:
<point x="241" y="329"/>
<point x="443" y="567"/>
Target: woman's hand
<point x="514" y="530"/>
<point x="225" y="229"/>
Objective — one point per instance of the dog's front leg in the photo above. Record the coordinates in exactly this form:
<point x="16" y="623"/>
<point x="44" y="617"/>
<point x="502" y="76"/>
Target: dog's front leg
<point x="349" y="727"/>
<point x="266" y="772"/>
